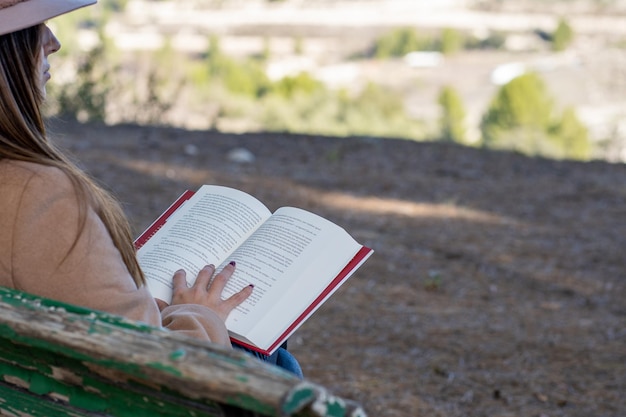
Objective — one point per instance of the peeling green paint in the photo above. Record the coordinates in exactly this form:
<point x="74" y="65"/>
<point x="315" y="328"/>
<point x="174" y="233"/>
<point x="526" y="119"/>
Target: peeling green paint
<point x="167" y="368"/>
<point x="97" y="328"/>
<point x="7" y="331"/>
<point x="59" y="377"/>
<point x="21" y="299"/>
<point x="40" y="384"/>
<point x="133" y="369"/>
<point x="89" y="402"/>
<point x="178" y="355"/>
<point x="242" y="378"/>
<point x="34" y="366"/>
<point x="96" y="396"/>
<point x="18" y="403"/>
<point x="297" y="399"/>
<point x="251" y="403"/>
<point x="335" y="409"/>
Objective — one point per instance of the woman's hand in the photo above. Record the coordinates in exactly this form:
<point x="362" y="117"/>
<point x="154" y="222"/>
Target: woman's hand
<point x="209" y="293"/>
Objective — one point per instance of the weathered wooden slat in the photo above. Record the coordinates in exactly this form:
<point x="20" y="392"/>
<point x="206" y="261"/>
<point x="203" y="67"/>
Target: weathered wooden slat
<point x="41" y="373"/>
<point x="15" y="402"/>
<point x="63" y="360"/>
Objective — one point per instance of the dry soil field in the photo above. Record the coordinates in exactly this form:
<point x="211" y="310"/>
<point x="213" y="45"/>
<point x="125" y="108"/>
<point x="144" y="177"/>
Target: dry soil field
<point x="498" y="283"/>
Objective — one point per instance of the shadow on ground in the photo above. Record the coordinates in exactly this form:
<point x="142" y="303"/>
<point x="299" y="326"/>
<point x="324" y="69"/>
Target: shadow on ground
<point x="498" y="283"/>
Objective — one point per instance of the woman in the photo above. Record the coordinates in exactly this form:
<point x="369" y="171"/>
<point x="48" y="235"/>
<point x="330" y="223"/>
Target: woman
<point x="62" y="236"/>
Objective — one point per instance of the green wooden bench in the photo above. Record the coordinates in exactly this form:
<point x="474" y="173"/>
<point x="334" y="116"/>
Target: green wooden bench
<point x="62" y="360"/>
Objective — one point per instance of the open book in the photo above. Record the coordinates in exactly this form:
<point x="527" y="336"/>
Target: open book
<point x="295" y="259"/>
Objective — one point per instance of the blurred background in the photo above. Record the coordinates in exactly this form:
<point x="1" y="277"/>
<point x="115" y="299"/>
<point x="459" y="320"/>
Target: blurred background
<point x="477" y="146"/>
<point x="542" y="77"/>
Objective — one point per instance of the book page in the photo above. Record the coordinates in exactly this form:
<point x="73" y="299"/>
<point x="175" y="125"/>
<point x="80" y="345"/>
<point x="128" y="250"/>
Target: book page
<point x="204" y="230"/>
<point x="293" y="249"/>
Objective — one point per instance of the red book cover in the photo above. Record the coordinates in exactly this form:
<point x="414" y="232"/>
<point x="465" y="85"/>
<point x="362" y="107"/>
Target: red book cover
<point x="158" y="223"/>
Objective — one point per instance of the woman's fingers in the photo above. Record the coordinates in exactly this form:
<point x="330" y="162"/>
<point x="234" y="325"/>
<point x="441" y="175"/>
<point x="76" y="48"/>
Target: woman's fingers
<point x="180" y="280"/>
<point x="204" y="277"/>
<point x="224" y="307"/>
<point x="161" y="304"/>
<point x="220" y="280"/>
<point x="238" y="298"/>
<point x="208" y="292"/>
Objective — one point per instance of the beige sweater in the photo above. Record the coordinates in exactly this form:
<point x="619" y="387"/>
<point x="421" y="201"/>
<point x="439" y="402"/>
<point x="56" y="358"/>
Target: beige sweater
<point x="39" y="223"/>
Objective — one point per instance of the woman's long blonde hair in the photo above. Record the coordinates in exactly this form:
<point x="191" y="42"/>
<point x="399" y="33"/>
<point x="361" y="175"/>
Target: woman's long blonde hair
<point x="23" y="137"/>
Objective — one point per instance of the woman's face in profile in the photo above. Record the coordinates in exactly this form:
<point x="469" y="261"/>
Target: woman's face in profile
<point x="49" y="45"/>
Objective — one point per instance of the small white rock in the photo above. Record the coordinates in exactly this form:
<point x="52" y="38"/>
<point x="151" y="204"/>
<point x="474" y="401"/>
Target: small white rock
<point x="191" y="149"/>
<point x="241" y="156"/>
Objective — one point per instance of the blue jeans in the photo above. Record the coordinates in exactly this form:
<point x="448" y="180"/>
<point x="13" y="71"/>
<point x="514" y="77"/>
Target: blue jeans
<point x="281" y="358"/>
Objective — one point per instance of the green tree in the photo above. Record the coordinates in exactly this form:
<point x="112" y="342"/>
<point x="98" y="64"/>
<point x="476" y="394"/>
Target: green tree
<point x="244" y="78"/>
<point x="117" y="6"/>
<point x="396" y="43"/>
<point x="377" y="100"/>
<point x="375" y="111"/>
<point x="519" y="115"/>
<point x="400" y="41"/>
<point x="303" y="83"/>
<point x="214" y="54"/>
<point x="452" y="122"/>
<point x="563" y="36"/>
<point x="298" y="45"/>
<point x="572" y="136"/>
<point x="86" y="98"/>
<point x="451" y="41"/>
<point x="157" y="87"/>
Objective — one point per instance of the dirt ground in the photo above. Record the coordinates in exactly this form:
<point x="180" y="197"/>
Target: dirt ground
<point x="498" y="284"/>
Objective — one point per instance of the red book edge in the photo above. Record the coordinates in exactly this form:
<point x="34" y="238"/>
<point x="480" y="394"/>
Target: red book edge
<point x="158" y="223"/>
<point x="358" y="259"/>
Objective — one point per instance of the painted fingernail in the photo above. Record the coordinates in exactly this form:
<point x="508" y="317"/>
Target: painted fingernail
<point x="232" y="263"/>
<point x="251" y="285"/>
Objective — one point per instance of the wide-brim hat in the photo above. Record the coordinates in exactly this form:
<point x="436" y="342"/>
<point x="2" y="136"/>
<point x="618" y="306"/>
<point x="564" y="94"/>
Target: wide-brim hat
<point x="20" y="14"/>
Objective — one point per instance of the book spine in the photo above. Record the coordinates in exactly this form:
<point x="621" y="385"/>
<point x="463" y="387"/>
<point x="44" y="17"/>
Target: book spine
<point x="158" y="223"/>
<point x="252" y="347"/>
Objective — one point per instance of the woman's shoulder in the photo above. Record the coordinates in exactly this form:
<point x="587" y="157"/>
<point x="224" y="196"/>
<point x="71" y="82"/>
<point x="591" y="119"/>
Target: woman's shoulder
<point x="24" y="169"/>
<point x="27" y="186"/>
<point x="20" y="175"/>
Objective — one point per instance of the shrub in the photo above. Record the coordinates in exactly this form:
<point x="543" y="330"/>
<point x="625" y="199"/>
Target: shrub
<point x="288" y="86"/>
<point x="563" y="36"/>
<point x="116" y="6"/>
<point x="397" y="43"/>
<point x="86" y="97"/>
<point x="244" y="78"/>
<point x="451" y="41"/>
<point x="495" y="40"/>
<point x="572" y="136"/>
<point x="521" y="117"/>
<point x="298" y="45"/>
<point x="400" y="41"/>
<point x="219" y="88"/>
<point x="520" y="110"/>
<point x="452" y="122"/>
<point x="373" y="112"/>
